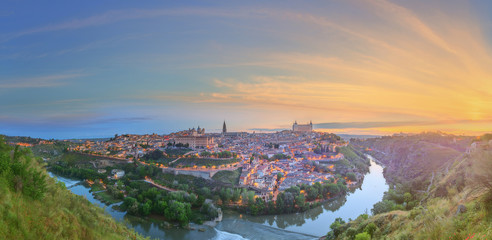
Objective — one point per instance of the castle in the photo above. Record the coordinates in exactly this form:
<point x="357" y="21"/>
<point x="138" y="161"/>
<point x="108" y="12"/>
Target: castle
<point x="302" y="127"/>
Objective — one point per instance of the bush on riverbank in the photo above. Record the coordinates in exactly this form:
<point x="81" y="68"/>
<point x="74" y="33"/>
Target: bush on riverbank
<point x="178" y="206"/>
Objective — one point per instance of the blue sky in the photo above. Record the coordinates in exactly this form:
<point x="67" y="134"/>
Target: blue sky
<point x="69" y="69"/>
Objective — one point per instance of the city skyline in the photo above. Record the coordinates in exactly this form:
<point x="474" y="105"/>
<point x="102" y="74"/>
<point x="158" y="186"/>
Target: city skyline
<point x="355" y="67"/>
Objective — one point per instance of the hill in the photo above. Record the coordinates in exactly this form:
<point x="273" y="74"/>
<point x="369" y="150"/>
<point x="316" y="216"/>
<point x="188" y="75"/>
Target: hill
<point x="456" y="204"/>
<point x="34" y="206"/>
<point x="413" y="161"/>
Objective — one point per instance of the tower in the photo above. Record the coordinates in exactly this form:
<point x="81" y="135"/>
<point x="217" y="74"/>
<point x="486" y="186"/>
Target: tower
<point x="224" y="128"/>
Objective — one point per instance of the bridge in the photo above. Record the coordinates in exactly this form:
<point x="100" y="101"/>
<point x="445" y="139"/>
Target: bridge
<point x="206" y="174"/>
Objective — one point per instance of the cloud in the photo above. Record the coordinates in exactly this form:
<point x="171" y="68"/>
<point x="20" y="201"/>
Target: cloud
<point x="406" y="18"/>
<point x="364" y="125"/>
<point x="120" y="120"/>
<point x="268" y="129"/>
<point x="342" y="125"/>
<point x="114" y="16"/>
<point x="39" y="82"/>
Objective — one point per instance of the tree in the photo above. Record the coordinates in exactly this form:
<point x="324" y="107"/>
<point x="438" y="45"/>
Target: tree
<point x="205" y="154"/>
<point x="130" y="205"/>
<point x="363" y="236"/>
<point x="280" y="175"/>
<point x="209" y="210"/>
<point x="236" y="195"/>
<point x="153" y="155"/>
<point x="178" y="211"/>
<point x="312" y="193"/>
<point x="251" y="197"/>
<point x="407" y="197"/>
<point x="145" y="208"/>
<point x="300" y="201"/>
<point x="160" y="207"/>
<point x="257" y="207"/>
<point x="351" y="177"/>
<point x="370" y="228"/>
<point x="351" y="232"/>
<point x="382" y="207"/>
<point x="337" y="226"/>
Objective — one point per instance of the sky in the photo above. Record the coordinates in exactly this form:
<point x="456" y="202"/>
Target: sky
<point x="77" y="70"/>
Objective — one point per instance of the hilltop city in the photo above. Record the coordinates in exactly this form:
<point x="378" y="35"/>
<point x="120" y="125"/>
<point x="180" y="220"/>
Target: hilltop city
<point x="269" y="162"/>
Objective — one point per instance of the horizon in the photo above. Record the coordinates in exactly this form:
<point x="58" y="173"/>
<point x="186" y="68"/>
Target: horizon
<point x="73" y="70"/>
<point x="250" y="131"/>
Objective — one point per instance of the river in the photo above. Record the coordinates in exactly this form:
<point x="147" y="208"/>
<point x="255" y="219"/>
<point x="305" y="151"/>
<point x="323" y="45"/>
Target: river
<point x="311" y="224"/>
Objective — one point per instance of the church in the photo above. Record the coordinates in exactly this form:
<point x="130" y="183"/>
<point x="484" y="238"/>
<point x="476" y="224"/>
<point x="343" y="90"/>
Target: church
<point x="225" y="133"/>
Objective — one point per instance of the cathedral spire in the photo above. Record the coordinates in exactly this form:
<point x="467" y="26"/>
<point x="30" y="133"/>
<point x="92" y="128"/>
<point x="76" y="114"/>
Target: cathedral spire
<point x="224" y="128"/>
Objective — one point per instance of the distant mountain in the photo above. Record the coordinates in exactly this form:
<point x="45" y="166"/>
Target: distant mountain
<point x="347" y="137"/>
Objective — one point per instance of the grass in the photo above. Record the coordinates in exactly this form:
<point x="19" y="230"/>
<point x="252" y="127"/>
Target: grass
<point x="107" y="198"/>
<point x="96" y="187"/>
<point x="436" y="221"/>
<point x="59" y="214"/>
<point x="436" y="218"/>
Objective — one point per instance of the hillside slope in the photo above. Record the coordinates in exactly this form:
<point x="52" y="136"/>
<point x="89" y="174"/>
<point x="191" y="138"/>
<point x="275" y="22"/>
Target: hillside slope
<point x="412" y="161"/>
<point x="458" y="204"/>
<point x="34" y="206"/>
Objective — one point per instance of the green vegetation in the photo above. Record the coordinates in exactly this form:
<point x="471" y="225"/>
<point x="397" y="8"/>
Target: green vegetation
<point x="106" y="197"/>
<point x="177" y="206"/>
<point x="54" y="149"/>
<point x="353" y="159"/>
<point x="279" y="156"/>
<point x="395" y="200"/>
<point x="225" y="176"/>
<point x="174" y="152"/>
<point x="79" y="173"/>
<point x="34" y="206"/>
<point x="154" y="155"/>
<point x="19" y="139"/>
<point x="207" y="162"/>
<point x="223" y="154"/>
<point x="290" y="201"/>
<point x="455" y="207"/>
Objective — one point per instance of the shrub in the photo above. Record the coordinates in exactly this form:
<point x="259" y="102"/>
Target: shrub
<point x="383" y="206"/>
<point x="363" y="236"/>
<point x="371" y="228"/>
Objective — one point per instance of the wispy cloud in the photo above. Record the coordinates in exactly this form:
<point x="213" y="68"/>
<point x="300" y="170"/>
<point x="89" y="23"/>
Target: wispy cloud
<point x="268" y="129"/>
<point x="364" y="125"/>
<point x="342" y="125"/>
<point x="39" y="82"/>
<point x="114" y="16"/>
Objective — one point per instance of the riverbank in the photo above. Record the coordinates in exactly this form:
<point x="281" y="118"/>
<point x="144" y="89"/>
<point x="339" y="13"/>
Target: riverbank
<point x="310" y="224"/>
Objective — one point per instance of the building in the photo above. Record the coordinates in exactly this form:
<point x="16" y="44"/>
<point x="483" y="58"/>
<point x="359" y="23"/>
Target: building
<point x="195" y="141"/>
<point x="196" y="132"/>
<point x="231" y="134"/>
<point x="302" y="127"/>
<point x="117" y="173"/>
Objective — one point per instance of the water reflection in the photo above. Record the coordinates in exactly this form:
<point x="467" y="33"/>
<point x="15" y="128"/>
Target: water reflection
<point x="316" y="221"/>
<point x="307" y="225"/>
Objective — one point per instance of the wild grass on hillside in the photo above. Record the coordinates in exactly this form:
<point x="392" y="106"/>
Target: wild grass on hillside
<point x="55" y="213"/>
<point x="466" y="185"/>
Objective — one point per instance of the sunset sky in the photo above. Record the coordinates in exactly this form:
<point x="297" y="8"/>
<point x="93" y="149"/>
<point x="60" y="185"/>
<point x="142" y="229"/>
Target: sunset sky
<point x="73" y="70"/>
